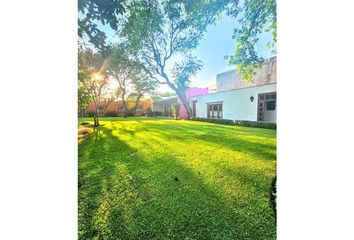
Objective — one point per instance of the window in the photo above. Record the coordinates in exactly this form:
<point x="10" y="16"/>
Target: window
<point x="270" y="105"/>
<point x="214" y="110"/>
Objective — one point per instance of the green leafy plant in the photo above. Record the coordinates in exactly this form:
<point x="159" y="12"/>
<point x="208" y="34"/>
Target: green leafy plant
<point x="176" y="107"/>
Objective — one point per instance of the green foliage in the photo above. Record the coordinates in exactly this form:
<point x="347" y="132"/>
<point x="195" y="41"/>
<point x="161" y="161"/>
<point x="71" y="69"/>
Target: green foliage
<point x="244" y="123"/>
<point x="175" y="110"/>
<point x="92" y="11"/>
<point x="111" y="114"/>
<point x="182" y="72"/>
<point x="256" y="124"/>
<point x="255" y="18"/>
<point x="127" y="71"/>
<point x="93" y="79"/>
<point x="153" y="114"/>
<point x="90" y="113"/>
<point x="128" y="189"/>
<point x="215" y="120"/>
<point x="157" y="30"/>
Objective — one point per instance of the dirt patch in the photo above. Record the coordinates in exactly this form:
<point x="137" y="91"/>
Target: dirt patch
<point x="83" y="130"/>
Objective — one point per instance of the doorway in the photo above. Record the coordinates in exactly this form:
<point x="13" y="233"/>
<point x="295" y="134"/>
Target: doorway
<point x="267" y="103"/>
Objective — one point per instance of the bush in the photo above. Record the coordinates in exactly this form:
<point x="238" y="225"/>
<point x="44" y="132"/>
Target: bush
<point x="153" y="114"/>
<point x="130" y="114"/>
<point x="239" y="123"/>
<point x="175" y="110"/>
<point x="216" y="120"/>
<point x="90" y="114"/>
<point x="111" y="114"/>
<point x="256" y="124"/>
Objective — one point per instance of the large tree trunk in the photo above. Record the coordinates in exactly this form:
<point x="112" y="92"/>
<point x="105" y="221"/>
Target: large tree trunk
<point x="133" y="109"/>
<point x="181" y="93"/>
<point x="124" y="103"/>
<point x="96" y="122"/>
<point x="185" y="103"/>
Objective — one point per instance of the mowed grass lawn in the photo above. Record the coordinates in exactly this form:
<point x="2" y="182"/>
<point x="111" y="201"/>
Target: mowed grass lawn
<point x="145" y="178"/>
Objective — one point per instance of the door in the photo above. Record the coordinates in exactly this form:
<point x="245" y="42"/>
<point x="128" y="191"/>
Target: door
<point x="267" y="107"/>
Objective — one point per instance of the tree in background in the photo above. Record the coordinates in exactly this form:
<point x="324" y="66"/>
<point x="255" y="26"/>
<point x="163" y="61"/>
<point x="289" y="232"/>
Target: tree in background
<point x="92" y="78"/>
<point x="255" y="18"/>
<point x="175" y="112"/>
<point x="93" y="11"/>
<point x="157" y="30"/>
<point x="132" y="80"/>
<point x="109" y="94"/>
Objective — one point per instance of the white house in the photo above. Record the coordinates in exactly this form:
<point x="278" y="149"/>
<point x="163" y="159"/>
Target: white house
<point x="237" y="99"/>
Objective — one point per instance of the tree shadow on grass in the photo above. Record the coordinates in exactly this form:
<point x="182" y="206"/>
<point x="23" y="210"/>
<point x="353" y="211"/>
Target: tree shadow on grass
<point x="256" y="142"/>
<point x="125" y="194"/>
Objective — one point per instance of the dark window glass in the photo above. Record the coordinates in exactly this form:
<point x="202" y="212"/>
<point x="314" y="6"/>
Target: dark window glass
<point x="261" y="97"/>
<point x="261" y="104"/>
<point x="273" y="96"/>
<point x="271" y="105"/>
<point x="267" y="97"/>
<point x="215" y="110"/>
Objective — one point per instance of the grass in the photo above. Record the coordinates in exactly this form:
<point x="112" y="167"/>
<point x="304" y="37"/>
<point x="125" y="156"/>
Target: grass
<point x="173" y="179"/>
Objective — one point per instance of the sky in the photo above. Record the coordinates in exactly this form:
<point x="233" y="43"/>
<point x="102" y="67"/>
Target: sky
<point x="216" y="43"/>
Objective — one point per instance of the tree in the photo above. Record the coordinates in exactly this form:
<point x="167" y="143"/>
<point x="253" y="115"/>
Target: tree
<point x="132" y="80"/>
<point x="92" y="77"/>
<point x="83" y="98"/>
<point x="108" y="96"/>
<point x="97" y="10"/>
<point x="96" y="86"/>
<point x="141" y="84"/>
<point x="158" y="30"/>
<point x="255" y="18"/>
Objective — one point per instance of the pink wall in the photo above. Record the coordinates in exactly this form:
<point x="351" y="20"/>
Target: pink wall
<point x="190" y="92"/>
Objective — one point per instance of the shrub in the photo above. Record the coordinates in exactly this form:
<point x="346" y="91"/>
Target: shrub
<point x="175" y="110"/>
<point x="244" y="123"/>
<point x="153" y="114"/>
<point x="255" y="124"/>
<point x="216" y="120"/>
<point x="130" y="114"/>
<point x="90" y="114"/>
<point x="111" y="114"/>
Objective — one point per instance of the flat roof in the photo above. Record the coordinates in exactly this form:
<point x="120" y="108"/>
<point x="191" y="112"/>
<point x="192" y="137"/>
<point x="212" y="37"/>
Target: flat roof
<point x="166" y="99"/>
<point x="235" y="89"/>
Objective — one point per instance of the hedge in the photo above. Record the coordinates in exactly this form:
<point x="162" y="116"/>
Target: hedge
<point x="216" y="120"/>
<point x="239" y="123"/>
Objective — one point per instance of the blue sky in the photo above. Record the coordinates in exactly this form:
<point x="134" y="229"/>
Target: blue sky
<point x="216" y="43"/>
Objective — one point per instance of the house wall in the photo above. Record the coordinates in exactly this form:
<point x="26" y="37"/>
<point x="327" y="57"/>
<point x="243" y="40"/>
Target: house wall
<point x="236" y="103"/>
<point x="266" y="74"/>
<point x="190" y="92"/>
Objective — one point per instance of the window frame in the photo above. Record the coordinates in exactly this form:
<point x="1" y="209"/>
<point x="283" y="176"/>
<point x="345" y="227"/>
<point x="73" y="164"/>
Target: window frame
<point x="211" y="110"/>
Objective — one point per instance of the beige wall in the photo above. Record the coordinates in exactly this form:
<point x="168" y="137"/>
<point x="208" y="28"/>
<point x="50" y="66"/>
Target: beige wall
<point x="231" y="80"/>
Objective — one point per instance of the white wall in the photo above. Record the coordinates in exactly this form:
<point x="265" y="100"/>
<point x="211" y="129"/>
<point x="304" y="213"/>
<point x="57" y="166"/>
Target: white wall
<point x="236" y="103"/>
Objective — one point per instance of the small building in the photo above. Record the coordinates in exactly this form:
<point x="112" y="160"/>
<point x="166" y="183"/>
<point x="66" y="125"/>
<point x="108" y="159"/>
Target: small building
<point x="237" y="99"/>
<point x="164" y="105"/>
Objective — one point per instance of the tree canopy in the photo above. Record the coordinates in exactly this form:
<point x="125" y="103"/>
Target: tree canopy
<point x="155" y="31"/>
<point x="94" y="11"/>
<point x="255" y="18"/>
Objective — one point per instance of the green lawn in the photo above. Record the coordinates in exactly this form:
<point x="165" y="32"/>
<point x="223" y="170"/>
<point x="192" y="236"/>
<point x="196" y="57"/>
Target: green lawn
<point x="174" y="179"/>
